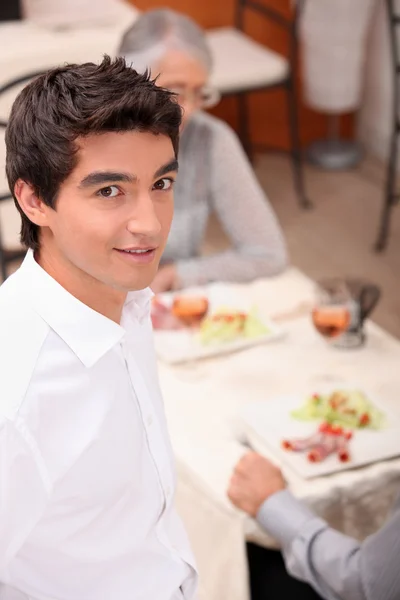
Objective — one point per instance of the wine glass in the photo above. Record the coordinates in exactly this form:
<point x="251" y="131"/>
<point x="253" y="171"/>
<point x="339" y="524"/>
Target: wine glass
<point x="334" y="310"/>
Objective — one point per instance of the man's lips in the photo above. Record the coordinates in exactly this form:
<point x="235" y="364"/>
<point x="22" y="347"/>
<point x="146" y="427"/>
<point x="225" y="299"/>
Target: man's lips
<point x="137" y="249"/>
<point x="138" y="255"/>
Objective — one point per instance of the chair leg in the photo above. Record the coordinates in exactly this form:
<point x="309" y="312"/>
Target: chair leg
<point x="3" y="265"/>
<point x="390" y="195"/>
<point x="390" y="188"/>
<point x="244" y="126"/>
<point x="295" y="149"/>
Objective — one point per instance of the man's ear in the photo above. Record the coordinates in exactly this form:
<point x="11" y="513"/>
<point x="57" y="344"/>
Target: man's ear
<point x="30" y="203"/>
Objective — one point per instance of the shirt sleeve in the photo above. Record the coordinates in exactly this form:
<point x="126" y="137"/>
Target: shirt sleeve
<point x="24" y="490"/>
<point x="337" y="566"/>
<point x="258" y="246"/>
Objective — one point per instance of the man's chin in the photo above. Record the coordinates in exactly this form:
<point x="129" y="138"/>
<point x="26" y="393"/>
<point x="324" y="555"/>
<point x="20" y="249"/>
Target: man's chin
<point x="142" y="281"/>
<point x="132" y="277"/>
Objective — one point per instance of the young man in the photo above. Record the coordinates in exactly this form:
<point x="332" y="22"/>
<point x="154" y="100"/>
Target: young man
<point x="86" y="475"/>
<point x="337" y="566"/>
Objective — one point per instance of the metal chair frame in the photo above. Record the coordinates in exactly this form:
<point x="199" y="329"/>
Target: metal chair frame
<point x="288" y="83"/>
<point x="391" y="197"/>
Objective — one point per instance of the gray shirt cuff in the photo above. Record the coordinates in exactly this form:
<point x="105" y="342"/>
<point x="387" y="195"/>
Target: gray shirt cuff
<point x="284" y="518"/>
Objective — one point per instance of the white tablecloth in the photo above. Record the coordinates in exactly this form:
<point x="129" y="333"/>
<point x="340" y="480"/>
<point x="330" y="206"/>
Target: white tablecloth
<point x="202" y="403"/>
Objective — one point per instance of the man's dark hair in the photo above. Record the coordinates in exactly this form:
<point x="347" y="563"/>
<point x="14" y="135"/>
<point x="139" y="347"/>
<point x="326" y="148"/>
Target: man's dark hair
<point x="75" y="101"/>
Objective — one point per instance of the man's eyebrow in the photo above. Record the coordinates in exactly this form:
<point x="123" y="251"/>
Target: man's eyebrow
<point x="170" y="166"/>
<point x="99" y="177"/>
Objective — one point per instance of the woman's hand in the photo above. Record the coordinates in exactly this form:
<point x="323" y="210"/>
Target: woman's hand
<point x="165" y="280"/>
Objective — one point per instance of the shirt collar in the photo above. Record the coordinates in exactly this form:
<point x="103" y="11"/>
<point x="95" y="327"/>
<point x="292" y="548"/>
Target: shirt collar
<point x="138" y="303"/>
<point x="88" y="333"/>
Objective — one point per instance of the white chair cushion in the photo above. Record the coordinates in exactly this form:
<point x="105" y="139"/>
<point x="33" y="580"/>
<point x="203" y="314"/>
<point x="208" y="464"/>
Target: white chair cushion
<point x="240" y="64"/>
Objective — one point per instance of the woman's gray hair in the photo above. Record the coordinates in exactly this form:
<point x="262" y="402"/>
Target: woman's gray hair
<point x="157" y="31"/>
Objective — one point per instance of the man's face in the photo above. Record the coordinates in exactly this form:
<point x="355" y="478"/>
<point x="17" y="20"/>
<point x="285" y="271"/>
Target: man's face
<point x="114" y="212"/>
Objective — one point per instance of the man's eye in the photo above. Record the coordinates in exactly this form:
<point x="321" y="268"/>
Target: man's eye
<point x="163" y="184"/>
<point x="109" y="192"/>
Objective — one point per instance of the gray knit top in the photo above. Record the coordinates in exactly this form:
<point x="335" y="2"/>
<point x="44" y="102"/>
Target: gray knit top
<point x="215" y="175"/>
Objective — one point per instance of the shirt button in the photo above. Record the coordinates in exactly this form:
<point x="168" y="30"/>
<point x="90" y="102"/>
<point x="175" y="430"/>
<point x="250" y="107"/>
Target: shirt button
<point x="168" y="491"/>
<point x="149" y="420"/>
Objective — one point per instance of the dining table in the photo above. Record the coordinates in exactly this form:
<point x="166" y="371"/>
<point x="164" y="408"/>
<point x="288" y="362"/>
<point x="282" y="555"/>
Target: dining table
<point x="204" y="400"/>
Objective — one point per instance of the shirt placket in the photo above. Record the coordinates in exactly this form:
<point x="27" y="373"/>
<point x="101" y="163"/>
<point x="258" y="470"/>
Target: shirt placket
<point x="154" y="434"/>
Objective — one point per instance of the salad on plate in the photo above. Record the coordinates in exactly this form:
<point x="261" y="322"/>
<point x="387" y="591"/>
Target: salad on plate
<point x="340" y="413"/>
<point x="346" y="408"/>
<point x="225" y="325"/>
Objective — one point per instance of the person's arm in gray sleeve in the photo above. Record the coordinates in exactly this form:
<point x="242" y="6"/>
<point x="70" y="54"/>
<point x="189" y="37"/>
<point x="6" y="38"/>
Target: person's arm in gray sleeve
<point x="258" y="245"/>
<point x="337" y="566"/>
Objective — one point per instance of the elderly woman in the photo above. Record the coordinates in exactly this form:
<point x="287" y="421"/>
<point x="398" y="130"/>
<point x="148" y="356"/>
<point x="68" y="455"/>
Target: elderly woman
<point x="214" y="173"/>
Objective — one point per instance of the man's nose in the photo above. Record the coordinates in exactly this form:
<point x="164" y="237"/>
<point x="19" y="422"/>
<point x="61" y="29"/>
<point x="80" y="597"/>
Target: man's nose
<point x="144" y="220"/>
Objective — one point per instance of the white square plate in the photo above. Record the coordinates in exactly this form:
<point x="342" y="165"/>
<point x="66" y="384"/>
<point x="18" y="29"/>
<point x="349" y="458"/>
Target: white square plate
<point x="271" y="422"/>
<point x="179" y="346"/>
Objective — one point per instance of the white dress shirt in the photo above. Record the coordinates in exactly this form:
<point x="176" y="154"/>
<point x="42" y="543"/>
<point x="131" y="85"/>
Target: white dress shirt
<point x="86" y="469"/>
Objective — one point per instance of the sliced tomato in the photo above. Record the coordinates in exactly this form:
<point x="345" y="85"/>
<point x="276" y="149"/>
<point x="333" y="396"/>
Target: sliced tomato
<point x="314" y="456"/>
<point x="286" y="445"/>
<point x="229" y="317"/>
<point x="336" y="430"/>
<point x="344" y="455"/>
<point x="365" y="420"/>
<point x="325" y="427"/>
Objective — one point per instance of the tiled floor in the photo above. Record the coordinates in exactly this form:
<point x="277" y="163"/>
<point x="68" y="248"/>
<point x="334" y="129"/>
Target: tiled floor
<point x="337" y="236"/>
